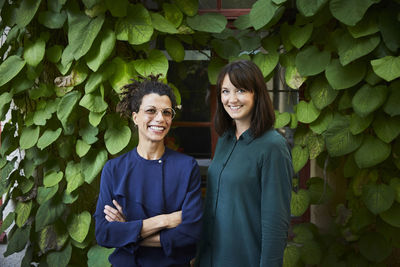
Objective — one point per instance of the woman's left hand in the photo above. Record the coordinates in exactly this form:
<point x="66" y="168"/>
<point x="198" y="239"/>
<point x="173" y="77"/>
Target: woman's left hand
<point x="114" y="215"/>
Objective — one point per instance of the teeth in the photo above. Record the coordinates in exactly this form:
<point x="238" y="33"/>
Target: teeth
<point x="236" y="107"/>
<point x="156" y="128"/>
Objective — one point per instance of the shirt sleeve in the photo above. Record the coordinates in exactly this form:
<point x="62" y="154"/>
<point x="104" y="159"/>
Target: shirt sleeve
<point x="113" y="234"/>
<point x="188" y="232"/>
<point x="276" y="187"/>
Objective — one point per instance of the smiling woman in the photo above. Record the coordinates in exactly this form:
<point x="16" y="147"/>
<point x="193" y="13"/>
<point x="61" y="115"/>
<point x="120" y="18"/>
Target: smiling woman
<point x="149" y="206"/>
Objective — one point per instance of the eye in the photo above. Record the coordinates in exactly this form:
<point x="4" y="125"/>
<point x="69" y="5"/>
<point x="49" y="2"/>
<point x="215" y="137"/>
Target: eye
<point x="150" y="111"/>
<point x="224" y="91"/>
<point x="241" y="91"/>
<point x="168" y="113"/>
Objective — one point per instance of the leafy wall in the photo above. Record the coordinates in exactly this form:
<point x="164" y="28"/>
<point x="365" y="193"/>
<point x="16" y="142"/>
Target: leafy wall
<point x="64" y="61"/>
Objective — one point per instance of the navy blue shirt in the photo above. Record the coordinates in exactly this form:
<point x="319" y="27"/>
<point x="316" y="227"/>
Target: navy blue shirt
<point x="146" y="188"/>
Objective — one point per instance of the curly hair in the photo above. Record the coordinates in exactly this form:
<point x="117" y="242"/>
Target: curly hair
<point x="133" y="93"/>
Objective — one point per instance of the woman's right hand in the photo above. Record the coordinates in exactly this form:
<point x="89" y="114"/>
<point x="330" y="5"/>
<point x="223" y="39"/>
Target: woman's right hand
<point x="174" y="219"/>
<point x="114" y="215"/>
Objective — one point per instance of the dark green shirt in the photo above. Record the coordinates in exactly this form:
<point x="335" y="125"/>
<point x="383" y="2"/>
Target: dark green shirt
<point x="247" y="208"/>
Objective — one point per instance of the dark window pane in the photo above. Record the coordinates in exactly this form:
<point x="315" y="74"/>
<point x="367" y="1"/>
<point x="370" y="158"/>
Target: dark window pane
<point x="194" y="141"/>
<point x="191" y="79"/>
<point x="207" y="4"/>
<point x="237" y="3"/>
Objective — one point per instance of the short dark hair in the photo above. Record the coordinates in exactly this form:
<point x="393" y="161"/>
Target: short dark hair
<point x="133" y="93"/>
<point x="245" y="74"/>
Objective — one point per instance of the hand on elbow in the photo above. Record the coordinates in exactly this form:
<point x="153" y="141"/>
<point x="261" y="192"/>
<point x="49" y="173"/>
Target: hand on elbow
<point x="173" y="219"/>
<point x="112" y="214"/>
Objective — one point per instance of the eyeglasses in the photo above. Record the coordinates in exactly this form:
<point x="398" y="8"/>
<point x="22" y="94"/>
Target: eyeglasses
<point x="168" y="113"/>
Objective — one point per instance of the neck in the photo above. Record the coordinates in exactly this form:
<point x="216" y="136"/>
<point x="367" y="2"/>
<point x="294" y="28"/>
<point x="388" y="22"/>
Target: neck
<point x="241" y="127"/>
<point x="151" y="150"/>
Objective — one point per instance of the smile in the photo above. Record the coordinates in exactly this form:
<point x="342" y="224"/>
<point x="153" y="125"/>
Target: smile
<point x="157" y="128"/>
<point x="234" y="107"/>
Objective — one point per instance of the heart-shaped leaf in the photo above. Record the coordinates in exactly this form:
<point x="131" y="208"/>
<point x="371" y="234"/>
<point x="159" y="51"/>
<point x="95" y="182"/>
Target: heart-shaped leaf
<point x="78" y="226"/>
<point x="342" y="77"/>
<point x="372" y="152"/>
<point x="299" y="202"/>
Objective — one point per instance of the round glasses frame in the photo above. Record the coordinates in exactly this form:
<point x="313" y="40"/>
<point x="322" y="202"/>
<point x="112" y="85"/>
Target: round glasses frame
<point x="167" y="113"/>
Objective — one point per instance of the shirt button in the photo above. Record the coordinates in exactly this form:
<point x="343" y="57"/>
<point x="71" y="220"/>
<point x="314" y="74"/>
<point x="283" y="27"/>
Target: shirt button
<point x="160" y="161"/>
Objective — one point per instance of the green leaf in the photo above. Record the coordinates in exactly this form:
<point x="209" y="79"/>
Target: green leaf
<point x="359" y="124"/>
<point x="189" y="7"/>
<point x="226" y="48"/>
<point x="82" y="31"/>
<point x="23" y="211"/>
<point x="291" y="256"/>
<point x="342" y="77"/>
<point x="7" y="222"/>
<point x="117" y="139"/>
<point x="53" y="54"/>
<point x="374" y="246"/>
<point x="392" y="215"/>
<point x="209" y="22"/>
<point x="309" y="8"/>
<point x="52" y="178"/>
<point x="300" y="157"/>
<point x="46" y="193"/>
<point x="242" y="22"/>
<point x="48" y="213"/>
<point x="321" y="124"/>
<point x="282" y="119"/>
<point x="320" y="60"/>
<point x="34" y="52"/>
<point x="18" y="240"/>
<point x="93" y="102"/>
<point x="101" y="49"/>
<point x="349" y="11"/>
<point x="81" y="148"/>
<point x="391" y="106"/>
<point x="338" y="138"/>
<point x="266" y="62"/>
<point x="88" y="133"/>
<point x="386" y="128"/>
<point x="367" y="26"/>
<point x="174" y="48"/>
<point x="156" y="63"/>
<point x="161" y="24"/>
<point x="78" y="226"/>
<point x="29" y="137"/>
<point x="299" y="202"/>
<point x="319" y="190"/>
<point x="351" y="49"/>
<point x="124" y="71"/>
<point x="307" y="112"/>
<point x="95" y="117"/>
<point x="52" y="20"/>
<point x="48" y="137"/>
<point x="315" y="144"/>
<point x="93" y="163"/>
<point x="73" y="176"/>
<point x="311" y="253"/>
<point x="388" y="68"/>
<point x="67" y="105"/>
<point x="261" y="13"/>
<point x="395" y="184"/>
<point x="26" y="11"/>
<point x="98" y="256"/>
<point x="214" y="67"/>
<point x="372" y="152"/>
<point x="292" y="77"/>
<point x="172" y="14"/>
<point x="300" y="35"/>
<point x="322" y="93"/>
<point x="136" y="27"/>
<point x="117" y="8"/>
<point x="60" y="258"/>
<point x="368" y="99"/>
<point x="10" y="68"/>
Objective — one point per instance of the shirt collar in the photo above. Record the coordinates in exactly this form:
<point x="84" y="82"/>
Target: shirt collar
<point x="246" y="136"/>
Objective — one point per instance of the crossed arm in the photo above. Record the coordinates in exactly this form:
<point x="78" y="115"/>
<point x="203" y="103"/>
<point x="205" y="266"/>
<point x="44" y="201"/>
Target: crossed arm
<point x="151" y="227"/>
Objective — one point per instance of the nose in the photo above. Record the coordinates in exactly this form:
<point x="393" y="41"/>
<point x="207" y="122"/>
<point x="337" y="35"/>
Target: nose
<point x="232" y="97"/>
<point x="159" y="116"/>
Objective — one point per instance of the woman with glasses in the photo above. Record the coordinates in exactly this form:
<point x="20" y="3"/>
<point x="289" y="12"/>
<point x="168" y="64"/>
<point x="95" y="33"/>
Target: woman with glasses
<point x="247" y="207"/>
<point x="149" y="206"/>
